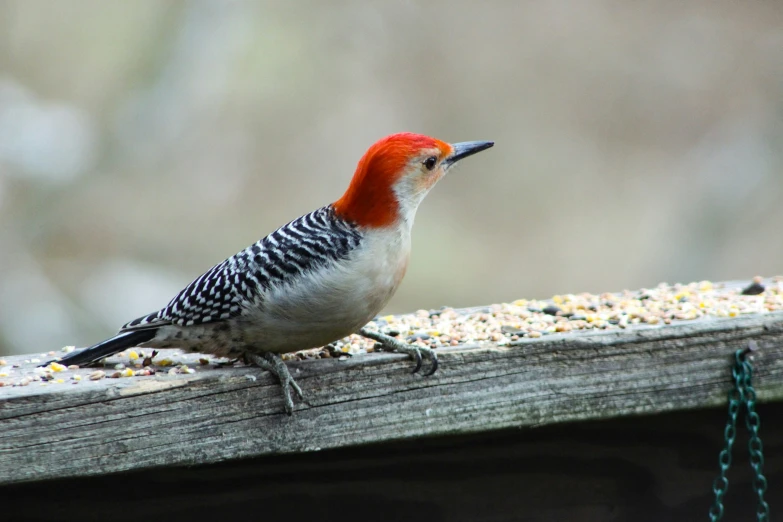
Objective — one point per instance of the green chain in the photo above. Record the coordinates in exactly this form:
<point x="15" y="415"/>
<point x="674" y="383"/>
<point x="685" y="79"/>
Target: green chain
<point x="742" y="394"/>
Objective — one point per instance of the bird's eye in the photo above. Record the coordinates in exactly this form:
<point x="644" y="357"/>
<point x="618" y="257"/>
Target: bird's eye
<point x="430" y="162"/>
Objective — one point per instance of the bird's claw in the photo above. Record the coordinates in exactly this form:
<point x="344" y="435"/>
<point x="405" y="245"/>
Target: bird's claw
<point x="274" y="364"/>
<point x="415" y="352"/>
<point x="416" y="355"/>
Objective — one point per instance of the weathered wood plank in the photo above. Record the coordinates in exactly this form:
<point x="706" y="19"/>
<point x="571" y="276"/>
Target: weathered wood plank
<point x="649" y="468"/>
<point x="130" y="424"/>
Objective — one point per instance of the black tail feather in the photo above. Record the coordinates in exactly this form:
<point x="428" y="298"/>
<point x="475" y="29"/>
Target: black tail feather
<point x="108" y="347"/>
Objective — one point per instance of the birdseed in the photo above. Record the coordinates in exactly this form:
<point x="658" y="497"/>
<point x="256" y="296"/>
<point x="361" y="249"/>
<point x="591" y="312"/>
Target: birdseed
<point x="505" y="324"/>
<point x="56" y="367"/>
<point x="511" y="323"/>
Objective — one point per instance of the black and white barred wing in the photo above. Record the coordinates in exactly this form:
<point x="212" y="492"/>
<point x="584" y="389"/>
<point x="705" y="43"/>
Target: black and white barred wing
<point x="224" y="291"/>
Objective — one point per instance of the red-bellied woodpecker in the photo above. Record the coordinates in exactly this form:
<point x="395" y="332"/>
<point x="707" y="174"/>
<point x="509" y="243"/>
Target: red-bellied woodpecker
<point x="313" y="281"/>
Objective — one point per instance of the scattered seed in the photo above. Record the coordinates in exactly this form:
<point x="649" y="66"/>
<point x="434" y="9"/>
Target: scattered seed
<point x="755" y="288"/>
<point x="148" y="360"/>
<point x="56" y="367"/>
<point x="530" y="318"/>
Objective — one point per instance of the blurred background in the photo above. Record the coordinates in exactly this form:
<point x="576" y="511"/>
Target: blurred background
<point x="142" y="142"/>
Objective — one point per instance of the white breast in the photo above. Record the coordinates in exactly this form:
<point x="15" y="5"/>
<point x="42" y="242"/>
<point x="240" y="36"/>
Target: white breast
<point x="335" y="300"/>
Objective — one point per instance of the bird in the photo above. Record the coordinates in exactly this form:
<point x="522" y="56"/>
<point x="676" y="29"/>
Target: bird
<point x="313" y="281"/>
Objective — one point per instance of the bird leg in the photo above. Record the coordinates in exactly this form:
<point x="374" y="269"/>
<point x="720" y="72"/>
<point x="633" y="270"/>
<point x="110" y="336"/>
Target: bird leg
<point x="273" y="363"/>
<point x="415" y="352"/>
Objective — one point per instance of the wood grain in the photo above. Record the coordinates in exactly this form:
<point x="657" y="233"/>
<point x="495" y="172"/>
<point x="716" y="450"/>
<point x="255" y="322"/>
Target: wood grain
<point x="215" y="415"/>
<point x="635" y="469"/>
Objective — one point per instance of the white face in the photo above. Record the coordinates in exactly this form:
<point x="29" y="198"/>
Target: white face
<point x="422" y="173"/>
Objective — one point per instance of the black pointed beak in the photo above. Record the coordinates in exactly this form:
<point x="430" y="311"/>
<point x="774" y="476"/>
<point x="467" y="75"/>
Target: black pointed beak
<point x="465" y="149"/>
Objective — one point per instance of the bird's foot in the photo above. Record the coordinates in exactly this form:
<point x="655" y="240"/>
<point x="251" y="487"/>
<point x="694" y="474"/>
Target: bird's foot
<point x="273" y="363"/>
<point x="415" y="352"/>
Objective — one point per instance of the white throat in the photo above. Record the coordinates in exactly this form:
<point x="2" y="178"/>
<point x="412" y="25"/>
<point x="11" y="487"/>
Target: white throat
<point x="409" y="197"/>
